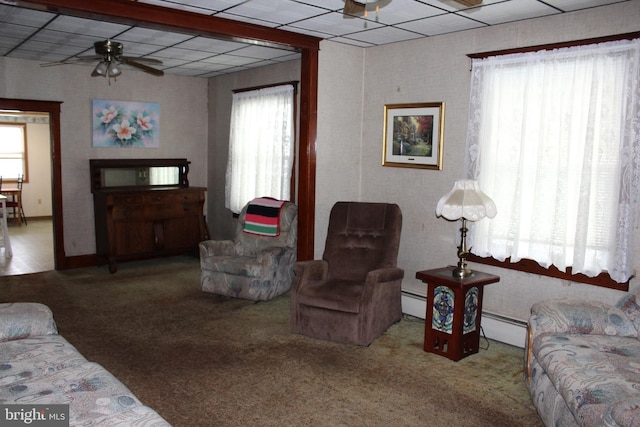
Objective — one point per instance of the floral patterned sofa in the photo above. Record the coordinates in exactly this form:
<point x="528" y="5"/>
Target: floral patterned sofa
<point x="39" y="367"/>
<point x="583" y="362"/>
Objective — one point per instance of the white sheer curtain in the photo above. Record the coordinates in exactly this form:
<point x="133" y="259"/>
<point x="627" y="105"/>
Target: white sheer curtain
<point x="554" y="139"/>
<point x="260" y="146"/>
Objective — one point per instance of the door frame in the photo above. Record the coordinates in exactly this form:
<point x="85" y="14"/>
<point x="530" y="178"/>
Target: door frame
<point x="53" y="109"/>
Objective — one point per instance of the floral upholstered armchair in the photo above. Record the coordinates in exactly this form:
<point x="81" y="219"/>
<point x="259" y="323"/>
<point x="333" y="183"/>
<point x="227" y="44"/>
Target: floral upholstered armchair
<point x="258" y="263"/>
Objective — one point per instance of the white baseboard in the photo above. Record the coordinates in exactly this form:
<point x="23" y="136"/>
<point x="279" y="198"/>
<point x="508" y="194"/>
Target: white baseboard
<point x="495" y="326"/>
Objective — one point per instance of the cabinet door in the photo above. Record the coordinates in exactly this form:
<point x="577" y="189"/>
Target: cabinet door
<point x="182" y="233"/>
<point x="133" y="237"/>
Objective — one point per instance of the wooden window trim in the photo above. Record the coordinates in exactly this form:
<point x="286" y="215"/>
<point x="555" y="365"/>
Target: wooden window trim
<point x="528" y="265"/>
<point x="531" y="266"/>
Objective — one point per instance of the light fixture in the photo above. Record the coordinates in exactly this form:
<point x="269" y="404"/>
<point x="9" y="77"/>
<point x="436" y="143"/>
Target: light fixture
<point x="354" y="8"/>
<point x="101" y="69"/>
<point x="467" y="202"/>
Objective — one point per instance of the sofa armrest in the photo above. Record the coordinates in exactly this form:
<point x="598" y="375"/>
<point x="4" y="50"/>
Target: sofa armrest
<point x="24" y="320"/>
<point x="578" y="316"/>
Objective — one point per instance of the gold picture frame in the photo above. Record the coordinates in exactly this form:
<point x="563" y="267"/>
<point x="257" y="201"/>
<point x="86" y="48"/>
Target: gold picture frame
<point x="413" y="135"/>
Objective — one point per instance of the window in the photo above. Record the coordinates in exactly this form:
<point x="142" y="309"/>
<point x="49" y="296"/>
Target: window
<point x="553" y="139"/>
<point x="260" y="146"/>
<point x="13" y="151"/>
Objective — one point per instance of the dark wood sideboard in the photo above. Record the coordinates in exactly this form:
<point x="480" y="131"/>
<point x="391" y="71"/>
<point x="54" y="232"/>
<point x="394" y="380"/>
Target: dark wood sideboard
<point x="137" y="218"/>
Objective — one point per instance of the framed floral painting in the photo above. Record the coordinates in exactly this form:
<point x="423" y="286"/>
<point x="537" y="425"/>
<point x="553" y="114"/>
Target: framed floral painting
<point x="125" y="124"/>
<point x="413" y="135"/>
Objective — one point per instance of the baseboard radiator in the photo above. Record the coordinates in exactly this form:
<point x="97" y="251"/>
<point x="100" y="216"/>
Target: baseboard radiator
<point x="495" y="326"/>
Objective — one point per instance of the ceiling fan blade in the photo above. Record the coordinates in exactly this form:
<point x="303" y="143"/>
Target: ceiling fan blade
<point x="469" y="2"/>
<point x="143" y="67"/>
<point x="352" y="9"/>
<point x="148" y="61"/>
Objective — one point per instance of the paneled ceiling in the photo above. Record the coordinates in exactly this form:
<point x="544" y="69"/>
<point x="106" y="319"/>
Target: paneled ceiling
<point x="50" y="37"/>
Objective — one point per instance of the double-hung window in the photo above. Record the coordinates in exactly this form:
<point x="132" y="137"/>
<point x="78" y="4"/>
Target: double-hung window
<point x="13" y="151"/>
<point x="554" y="140"/>
<point x="261" y="146"/>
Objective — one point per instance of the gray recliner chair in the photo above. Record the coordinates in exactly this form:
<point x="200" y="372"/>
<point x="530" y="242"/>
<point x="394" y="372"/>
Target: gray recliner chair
<point x="251" y="266"/>
<point x="351" y="295"/>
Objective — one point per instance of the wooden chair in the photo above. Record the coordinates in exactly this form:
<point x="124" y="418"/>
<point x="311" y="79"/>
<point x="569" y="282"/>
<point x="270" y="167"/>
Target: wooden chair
<point x="15" y="204"/>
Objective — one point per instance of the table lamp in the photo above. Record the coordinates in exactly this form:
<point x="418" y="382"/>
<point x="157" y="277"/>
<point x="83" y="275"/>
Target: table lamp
<point x="467" y="202"/>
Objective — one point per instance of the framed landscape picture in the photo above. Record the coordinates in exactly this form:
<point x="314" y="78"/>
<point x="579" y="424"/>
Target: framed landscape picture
<point x="413" y="135"/>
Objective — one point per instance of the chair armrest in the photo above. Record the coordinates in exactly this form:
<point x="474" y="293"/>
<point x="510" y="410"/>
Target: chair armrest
<point x="24" y="320"/>
<point x="579" y="316"/>
<point x="311" y="270"/>
<point x="382" y="275"/>
<point x="216" y="247"/>
<point x="277" y="255"/>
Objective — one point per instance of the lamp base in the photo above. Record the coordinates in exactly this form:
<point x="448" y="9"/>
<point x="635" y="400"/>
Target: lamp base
<point x="461" y="272"/>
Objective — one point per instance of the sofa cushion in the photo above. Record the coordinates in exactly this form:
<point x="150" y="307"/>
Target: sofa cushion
<point x="566" y="315"/>
<point x="25" y="319"/>
<point x="591" y="372"/>
<point x="36" y="357"/>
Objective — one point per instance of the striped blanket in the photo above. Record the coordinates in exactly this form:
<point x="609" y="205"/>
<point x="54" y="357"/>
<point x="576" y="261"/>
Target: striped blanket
<point x="263" y="217"/>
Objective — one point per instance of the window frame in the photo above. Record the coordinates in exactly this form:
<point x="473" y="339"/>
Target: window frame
<point x="294" y="84"/>
<point x="528" y="265"/>
<point x="25" y="159"/>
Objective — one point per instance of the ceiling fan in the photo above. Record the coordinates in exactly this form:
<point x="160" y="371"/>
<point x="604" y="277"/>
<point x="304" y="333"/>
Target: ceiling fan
<point x="110" y="55"/>
<point x="361" y="8"/>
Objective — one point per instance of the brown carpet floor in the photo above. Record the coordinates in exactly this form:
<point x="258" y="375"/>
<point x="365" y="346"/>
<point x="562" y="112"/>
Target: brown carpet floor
<point x="206" y="360"/>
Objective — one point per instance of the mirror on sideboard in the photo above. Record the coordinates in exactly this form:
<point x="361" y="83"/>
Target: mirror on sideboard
<point x="109" y="174"/>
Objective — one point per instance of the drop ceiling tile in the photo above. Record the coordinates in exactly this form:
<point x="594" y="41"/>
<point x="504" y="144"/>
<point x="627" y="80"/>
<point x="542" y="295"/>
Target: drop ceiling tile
<point x="347" y="40"/>
<point x="334" y="5"/>
<point x="71" y="24"/>
<point x="384" y="35"/>
<point x="27" y="17"/>
<point x="513" y="10"/>
<point x="334" y="24"/>
<point x="154" y="37"/>
<point x="184" y="54"/>
<point x="18" y="32"/>
<point x="441" y="24"/>
<point x="42" y="48"/>
<point x="286" y="58"/>
<point x="404" y="10"/>
<point x="261" y="52"/>
<point x="249" y="20"/>
<point x="569" y="5"/>
<point x="210" y="45"/>
<point x="79" y="41"/>
<point x="198" y="6"/>
<point x="230" y="60"/>
<point x="279" y="11"/>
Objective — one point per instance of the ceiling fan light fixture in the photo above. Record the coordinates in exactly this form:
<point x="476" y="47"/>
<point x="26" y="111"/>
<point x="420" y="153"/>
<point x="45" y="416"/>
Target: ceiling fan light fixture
<point x="101" y="69"/>
<point x="113" y="70"/>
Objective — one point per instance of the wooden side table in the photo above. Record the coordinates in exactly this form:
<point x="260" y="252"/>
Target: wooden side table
<point x="454" y="309"/>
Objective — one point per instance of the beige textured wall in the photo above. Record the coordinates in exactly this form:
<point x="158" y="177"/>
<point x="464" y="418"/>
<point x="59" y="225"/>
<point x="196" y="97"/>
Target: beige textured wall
<point x="350" y="128"/>
<point x="183" y="128"/>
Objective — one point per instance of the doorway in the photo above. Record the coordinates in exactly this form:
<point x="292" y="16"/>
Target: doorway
<point x="52" y="108"/>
